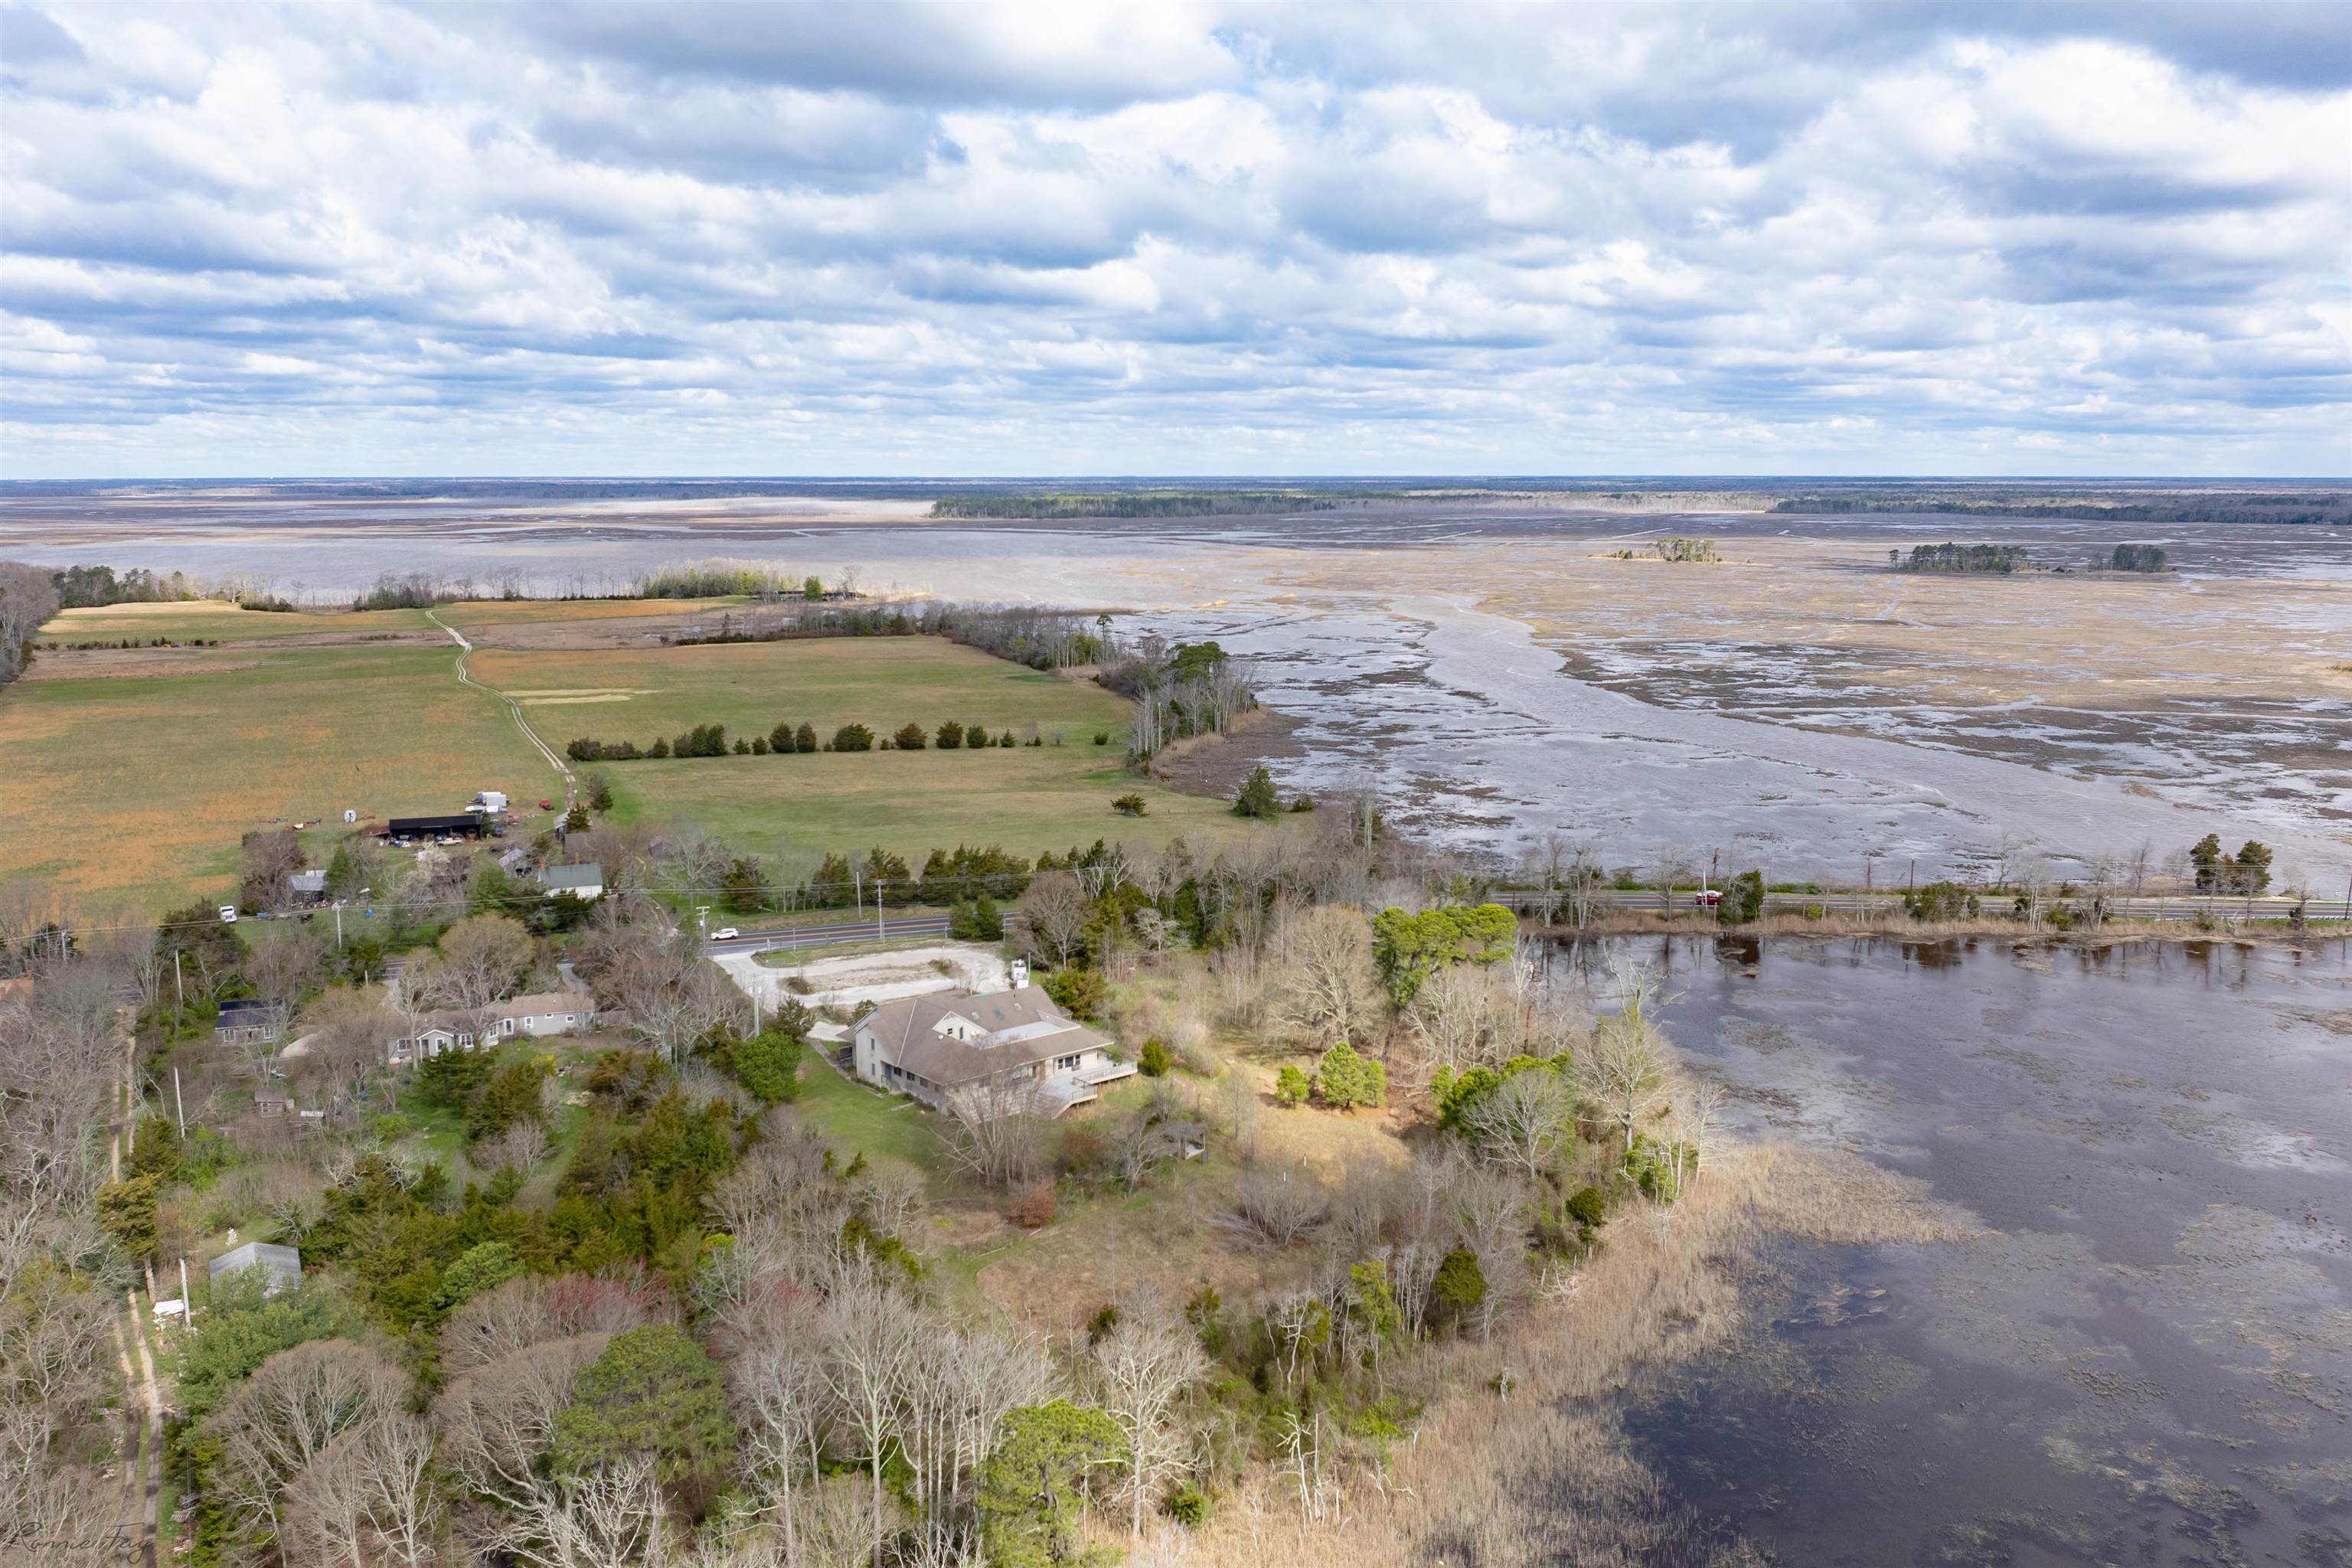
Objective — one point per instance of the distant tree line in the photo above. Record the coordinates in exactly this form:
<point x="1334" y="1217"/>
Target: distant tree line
<point x="28" y="597"/>
<point x="415" y="591"/>
<point x="2137" y="558"/>
<point x="1150" y="503"/>
<point x="789" y="739"/>
<point x="2242" y="506"/>
<point x="1950" y="557"/>
<point x="718" y="579"/>
<point x="93" y="587"/>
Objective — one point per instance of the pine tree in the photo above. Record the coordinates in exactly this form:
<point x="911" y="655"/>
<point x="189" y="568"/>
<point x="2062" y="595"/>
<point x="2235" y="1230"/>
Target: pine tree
<point x="1257" y="798"/>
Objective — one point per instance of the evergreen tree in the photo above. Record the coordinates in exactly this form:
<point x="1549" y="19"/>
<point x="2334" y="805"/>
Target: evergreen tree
<point x="1257" y="796"/>
<point x="1346" y="1078"/>
<point x="1034" y="1482"/>
<point x="1461" y="1285"/>
<point x="652" y="1392"/>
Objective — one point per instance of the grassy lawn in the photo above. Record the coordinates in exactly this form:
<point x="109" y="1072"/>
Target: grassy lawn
<point x="1027" y="798"/>
<point x="882" y="682"/>
<point x="209" y="618"/>
<point x="860" y="1120"/>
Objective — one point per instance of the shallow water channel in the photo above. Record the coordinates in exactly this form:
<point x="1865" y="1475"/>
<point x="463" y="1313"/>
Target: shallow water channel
<point x="2149" y="1360"/>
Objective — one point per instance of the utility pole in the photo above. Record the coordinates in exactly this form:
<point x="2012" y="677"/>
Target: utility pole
<point x="179" y="992"/>
<point x="179" y="1104"/>
<point x="339" y="922"/>
<point x="878" y="930"/>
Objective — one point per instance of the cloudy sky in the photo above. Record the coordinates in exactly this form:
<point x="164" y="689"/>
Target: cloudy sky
<point x="875" y="240"/>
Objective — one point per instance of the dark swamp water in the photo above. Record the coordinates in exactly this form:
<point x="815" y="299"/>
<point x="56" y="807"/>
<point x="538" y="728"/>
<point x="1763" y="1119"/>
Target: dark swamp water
<point x="2147" y="1360"/>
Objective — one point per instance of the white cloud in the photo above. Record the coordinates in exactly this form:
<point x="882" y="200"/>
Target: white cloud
<point x="969" y="240"/>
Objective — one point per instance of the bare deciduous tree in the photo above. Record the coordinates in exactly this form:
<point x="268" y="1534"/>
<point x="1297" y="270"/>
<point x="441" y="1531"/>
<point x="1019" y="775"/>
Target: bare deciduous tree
<point x="29" y="596"/>
<point x="368" y="1498"/>
<point x="523" y="1145"/>
<point x="1136" y="1145"/>
<point x="674" y="1000"/>
<point x="1141" y="1370"/>
<point x="999" y="1133"/>
<point x="1275" y="1206"/>
<point x="284" y="1416"/>
<point x="480" y="959"/>
<point x="1624" y="1070"/>
<point x="496" y="1424"/>
<point x="59" y="1516"/>
<point x="1523" y="1121"/>
<point x="873" y="1339"/>
<point x="777" y="1378"/>
<point x="1697" y="1112"/>
<point x="1329" y="987"/>
<point x="59" y="1055"/>
<point x="533" y="1308"/>
<point x="1057" y="911"/>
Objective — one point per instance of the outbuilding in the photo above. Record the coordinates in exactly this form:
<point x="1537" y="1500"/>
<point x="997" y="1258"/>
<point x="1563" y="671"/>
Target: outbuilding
<point x="282" y="1265"/>
<point x="411" y="828"/>
<point x="584" y="881"/>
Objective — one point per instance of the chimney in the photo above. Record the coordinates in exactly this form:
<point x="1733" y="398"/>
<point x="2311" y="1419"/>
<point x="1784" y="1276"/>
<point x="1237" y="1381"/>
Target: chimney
<point x="1020" y="975"/>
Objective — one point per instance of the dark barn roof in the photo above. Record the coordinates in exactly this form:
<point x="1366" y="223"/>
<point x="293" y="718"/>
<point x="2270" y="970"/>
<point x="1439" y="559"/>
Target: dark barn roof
<point x="420" y="826"/>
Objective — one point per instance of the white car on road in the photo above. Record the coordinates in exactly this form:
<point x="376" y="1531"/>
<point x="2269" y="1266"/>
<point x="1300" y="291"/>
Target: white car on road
<point x="725" y="933"/>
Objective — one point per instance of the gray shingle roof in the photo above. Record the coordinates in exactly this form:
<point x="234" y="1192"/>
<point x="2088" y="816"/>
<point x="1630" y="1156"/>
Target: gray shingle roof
<point x="1011" y="1029"/>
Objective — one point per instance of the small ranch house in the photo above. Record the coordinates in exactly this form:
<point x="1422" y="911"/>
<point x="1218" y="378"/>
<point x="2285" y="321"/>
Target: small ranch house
<point x="250" y="1022"/>
<point x="1005" y="1045"/>
<point x="581" y="881"/>
<point x="543" y="1013"/>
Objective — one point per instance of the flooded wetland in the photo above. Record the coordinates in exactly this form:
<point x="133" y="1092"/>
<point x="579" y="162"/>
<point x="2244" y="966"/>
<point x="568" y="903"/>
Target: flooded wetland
<point x="2148" y="1356"/>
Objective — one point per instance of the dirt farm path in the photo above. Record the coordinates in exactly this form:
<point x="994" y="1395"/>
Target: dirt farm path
<point x="514" y="709"/>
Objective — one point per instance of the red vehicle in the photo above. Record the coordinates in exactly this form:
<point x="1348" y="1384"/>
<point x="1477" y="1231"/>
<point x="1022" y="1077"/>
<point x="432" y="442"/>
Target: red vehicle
<point x="1708" y="898"/>
<point x="547" y="806"/>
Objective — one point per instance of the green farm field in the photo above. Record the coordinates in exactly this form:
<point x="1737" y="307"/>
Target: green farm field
<point x="133" y="789"/>
<point x="210" y="620"/>
<point x="1027" y="798"/>
<point x="131" y="776"/>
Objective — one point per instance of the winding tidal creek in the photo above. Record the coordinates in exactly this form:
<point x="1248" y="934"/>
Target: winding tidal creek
<point x="2146" y="1359"/>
